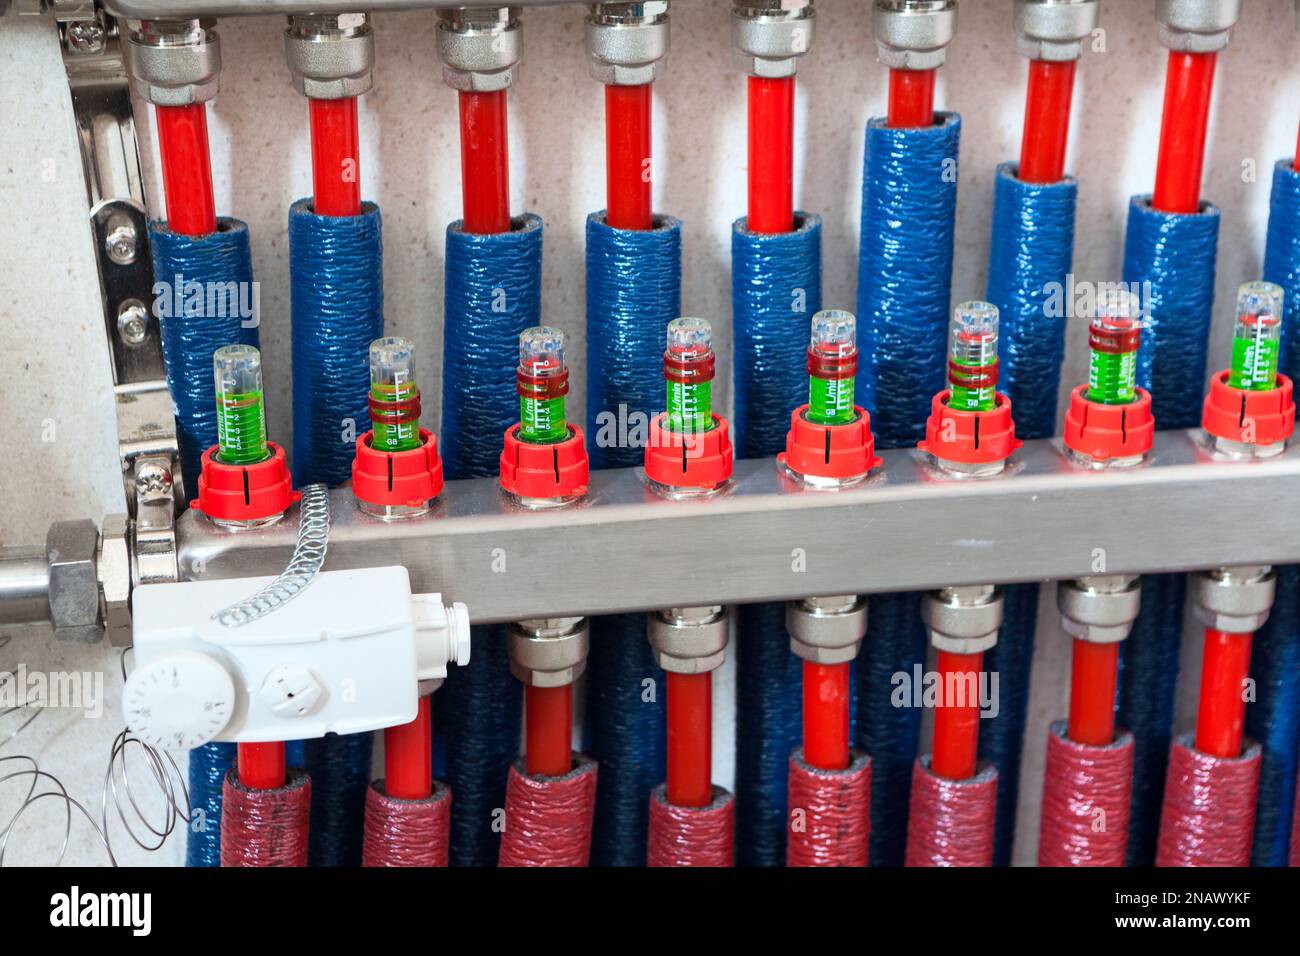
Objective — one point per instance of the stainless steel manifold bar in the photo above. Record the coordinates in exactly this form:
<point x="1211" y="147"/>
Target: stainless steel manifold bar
<point x="767" y="540"/>
<point x="908" y="528"/>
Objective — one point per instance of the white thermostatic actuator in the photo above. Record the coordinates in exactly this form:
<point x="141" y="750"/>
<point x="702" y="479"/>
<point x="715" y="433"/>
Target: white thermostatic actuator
<point x="346" y="655"/>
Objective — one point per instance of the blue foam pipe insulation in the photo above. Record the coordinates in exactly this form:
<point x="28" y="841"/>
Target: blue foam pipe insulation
<point x="203" y="297"/>
<point x="776" y="287"/>
<point x="1030" y="258"/>
<point x="1169" y="260"/>
<point x="337" y="310"/>
<point x="207" y="772"/>
<point x="768" y="726"/>
<point x="492" y="293"/>
<point x="1274" y="718"/>
<point x="909" y="202"/>
<point x="204" y="290"/>
<point x="337" y="302"/>
<point x="633" y="292"/>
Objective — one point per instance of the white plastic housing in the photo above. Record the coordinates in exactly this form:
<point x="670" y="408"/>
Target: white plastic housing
<point x="344" y="656"/>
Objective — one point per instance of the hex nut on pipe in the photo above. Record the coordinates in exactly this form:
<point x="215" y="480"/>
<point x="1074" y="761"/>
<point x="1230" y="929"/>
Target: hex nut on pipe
<point x="963" y="620"/>
<point x="71" y="549"/>
<point x="913" y="34"/>
<point x="114" y="573"/>
<point x="769" y="36"/>
<point x="480" y="48"/>
<point x="1099" y="609"/>
<point x="330" y="57"/>
<point x="689" y="640"/>
<point x="174" y="63"/>
<point x="1054" y="30"/>
<point x="548" y="652"/>
<point x="627" y="42"/>
<point x="1234" y="600"/>
<point x="827" y="630"/>
<point x="1197" y="26"/>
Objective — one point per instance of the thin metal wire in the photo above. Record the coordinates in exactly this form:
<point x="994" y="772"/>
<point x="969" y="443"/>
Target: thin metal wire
<point x="119" y="789"/>
<point x="20" y="709"/>
<point x="308" y="556"/>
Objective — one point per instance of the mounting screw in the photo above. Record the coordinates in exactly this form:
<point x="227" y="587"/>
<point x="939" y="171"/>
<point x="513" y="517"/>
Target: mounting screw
<point x="86" y="36"/>
<point x="121" y="244"/>
<point x="133" y="322"/>
<point x="152" y="481"/>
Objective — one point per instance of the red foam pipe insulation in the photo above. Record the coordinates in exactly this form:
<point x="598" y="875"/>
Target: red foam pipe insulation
<point x="691" y="836"/>
<point x="956" y="720"/>
<point x="1094" y="673"/>
<point x="261" y="766"/>
<point x="830" y="813"/>
<point x="265" y="827"/>
<point x="826" y="715"/>
<point x="690" y="739"/>
<point x="549" y="730"/>
<point x="771" y="155"/>
<point x="950" y="822"/>
<point x="408" y="756"/>
<point x="1189" y="85"/>
<point x="911" y="98"/>
<point x="548" y="819"/>
<point x="1295" y="833"/>
<point x="1221" y="713"/>
<point x="627" y="156"/>
<point x="402" y="832"/>
<point x="1087" y="790"/>
<point x="1047" y="121"/>
<point x="1208" y="817"/>
<point x="335" y="157"/>
<point x="186" y="168"/>
<point x="484" y="162"/>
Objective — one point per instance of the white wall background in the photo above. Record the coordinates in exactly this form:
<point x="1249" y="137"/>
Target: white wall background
<point x="53" y="363"/>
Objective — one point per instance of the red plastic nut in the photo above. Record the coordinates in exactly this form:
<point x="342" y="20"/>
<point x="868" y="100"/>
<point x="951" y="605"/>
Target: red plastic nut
<point x="970" y="438"/>
<point x="1104" y="432"/>
<point x="245" y="492"/>
<point x="397" y="478"/>
<point x="829" y="451"/>
<point x="1252" y="418"/>
<point x="689" y="460"/>
<point x="545" y="470"/>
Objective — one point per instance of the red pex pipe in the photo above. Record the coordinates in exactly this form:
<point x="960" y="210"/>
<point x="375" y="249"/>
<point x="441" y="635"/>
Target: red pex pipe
<point x="549" y="732"/>
<point x="408" y="756"/>
<point x="771" y="155"/>
<point x="186" y="168"/>
<point x="911" y="98"/>
<point x="1047" y="121"/>
<point x="690" y="739"/>
<point x="335" y="160"/>
<point x="956" y="721"/>
<point x="826" y="715"/>
<point x="261" y="766"/>
<point x="627" y="156"/>
<point x="484" y="162"/>
<point x="1221" y="714"/>
<point x="1094" y="673"/>
<point x="1189" y="85"/>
